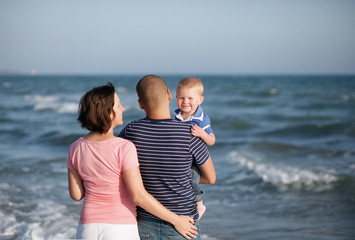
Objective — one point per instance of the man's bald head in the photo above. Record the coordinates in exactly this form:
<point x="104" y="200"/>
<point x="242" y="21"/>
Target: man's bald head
<point x="152" y="91"/>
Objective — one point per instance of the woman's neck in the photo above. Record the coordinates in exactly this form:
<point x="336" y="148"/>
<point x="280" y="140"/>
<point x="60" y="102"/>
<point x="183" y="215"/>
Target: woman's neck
<point x="96" y="136"/>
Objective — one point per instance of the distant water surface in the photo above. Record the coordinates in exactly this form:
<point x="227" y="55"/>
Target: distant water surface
<point x="284" y="155"/>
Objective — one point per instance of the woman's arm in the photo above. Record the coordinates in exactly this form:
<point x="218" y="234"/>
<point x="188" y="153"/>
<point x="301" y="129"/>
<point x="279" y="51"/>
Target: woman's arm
<point x="208" y="173"/>
<point x="75" y="185"/>
<point x="183" y="224"/>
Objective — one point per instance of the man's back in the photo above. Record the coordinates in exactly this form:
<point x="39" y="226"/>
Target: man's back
<point x="166" y="150"/>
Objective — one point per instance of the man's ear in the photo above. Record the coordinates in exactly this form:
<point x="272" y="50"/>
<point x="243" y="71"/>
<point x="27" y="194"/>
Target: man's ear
<point x="141" y="105"/>
<point x="169" y="94"/>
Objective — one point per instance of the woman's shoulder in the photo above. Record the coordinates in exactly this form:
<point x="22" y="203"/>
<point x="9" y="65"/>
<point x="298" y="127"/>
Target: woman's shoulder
<point x="76" y="142"/>
<point x="123" y="141"/>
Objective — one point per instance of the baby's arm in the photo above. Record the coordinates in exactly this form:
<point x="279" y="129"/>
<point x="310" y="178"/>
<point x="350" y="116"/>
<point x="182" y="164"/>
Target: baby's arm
<point x="197" y="131"/>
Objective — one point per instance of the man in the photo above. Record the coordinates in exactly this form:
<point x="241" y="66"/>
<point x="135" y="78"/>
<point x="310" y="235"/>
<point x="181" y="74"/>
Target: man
<point x="166" y="150"/>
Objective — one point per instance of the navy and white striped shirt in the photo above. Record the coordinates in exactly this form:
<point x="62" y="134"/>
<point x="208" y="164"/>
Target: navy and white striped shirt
<point x="166" y="150"/>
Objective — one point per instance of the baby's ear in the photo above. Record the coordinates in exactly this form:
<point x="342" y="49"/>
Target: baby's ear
<point x="202" y="98"/>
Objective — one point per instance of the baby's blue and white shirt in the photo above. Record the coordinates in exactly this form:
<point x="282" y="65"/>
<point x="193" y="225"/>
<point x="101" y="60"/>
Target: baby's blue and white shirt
<point x="199" y="118"/>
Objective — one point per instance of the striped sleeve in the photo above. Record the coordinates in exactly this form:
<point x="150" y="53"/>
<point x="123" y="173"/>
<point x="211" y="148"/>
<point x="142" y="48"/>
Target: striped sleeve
<point x="199" y="151"/>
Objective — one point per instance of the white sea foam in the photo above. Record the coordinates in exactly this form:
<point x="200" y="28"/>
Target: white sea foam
<point x="273" y="91"/>
<point x="6" y="84"/>
<point x="284" y="177"/>
<point x="39" y="98"/>
<point x="206" y="237"/>
<point x="54" y="103"/>
<point x="58" y="168"/>
<point x="4" y="186"/>
<point x="48" y="221"/>
<point x="121" y="89"/>
<point x="68" y="108"/>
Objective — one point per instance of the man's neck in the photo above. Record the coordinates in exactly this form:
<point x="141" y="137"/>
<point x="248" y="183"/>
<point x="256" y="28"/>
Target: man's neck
<point x="158" y="114"/>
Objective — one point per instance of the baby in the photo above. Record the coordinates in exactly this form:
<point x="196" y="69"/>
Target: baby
<point x="189" y="95"/>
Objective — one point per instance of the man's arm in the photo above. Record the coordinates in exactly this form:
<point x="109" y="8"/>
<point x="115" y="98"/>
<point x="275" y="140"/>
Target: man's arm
<point x="208" y="173"/>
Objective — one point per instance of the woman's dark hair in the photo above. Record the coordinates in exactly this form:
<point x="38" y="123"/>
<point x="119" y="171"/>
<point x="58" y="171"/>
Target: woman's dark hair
<point x="95" y="108"/>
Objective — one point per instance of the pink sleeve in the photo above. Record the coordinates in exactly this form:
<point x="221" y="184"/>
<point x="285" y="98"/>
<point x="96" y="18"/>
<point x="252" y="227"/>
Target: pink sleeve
<point x="130" y="158"/>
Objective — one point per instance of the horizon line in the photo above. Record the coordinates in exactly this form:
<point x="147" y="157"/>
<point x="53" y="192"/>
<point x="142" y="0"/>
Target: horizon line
<point x="38" y="74"/>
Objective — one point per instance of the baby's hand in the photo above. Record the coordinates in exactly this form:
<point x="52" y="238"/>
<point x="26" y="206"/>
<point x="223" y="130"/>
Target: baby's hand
<point x="197" y="131"/>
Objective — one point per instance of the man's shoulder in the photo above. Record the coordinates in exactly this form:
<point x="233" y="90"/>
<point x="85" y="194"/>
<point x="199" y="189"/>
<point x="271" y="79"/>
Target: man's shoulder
<point x="176" y="121"/>
<point x="134" y="122"/>
<point x="183" y="126"/>
<point x="168" y="123"/>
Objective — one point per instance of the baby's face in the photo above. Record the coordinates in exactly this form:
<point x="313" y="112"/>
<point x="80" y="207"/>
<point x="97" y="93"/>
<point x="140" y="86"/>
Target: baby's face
<point x="188" y="99"/>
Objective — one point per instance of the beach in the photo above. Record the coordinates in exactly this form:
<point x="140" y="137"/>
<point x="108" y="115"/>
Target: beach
<point x="284" y="154"/>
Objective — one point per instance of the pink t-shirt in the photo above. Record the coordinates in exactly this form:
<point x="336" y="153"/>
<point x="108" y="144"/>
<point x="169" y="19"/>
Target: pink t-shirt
<point x="101" y="165"/>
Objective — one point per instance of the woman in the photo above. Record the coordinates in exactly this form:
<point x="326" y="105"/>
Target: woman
<point x="104" y="170"/>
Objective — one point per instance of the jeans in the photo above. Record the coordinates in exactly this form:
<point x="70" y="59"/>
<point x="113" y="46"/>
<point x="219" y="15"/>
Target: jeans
<point x="195" y="174"/>
<point x="153" y="229"/>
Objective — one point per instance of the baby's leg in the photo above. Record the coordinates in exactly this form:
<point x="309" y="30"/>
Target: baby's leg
<point x="201" y="208"/>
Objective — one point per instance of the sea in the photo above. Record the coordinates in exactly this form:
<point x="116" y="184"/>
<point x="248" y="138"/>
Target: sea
<point x="284" y="154"/>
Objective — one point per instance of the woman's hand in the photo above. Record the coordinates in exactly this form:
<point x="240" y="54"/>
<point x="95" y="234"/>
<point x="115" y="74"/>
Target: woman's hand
<point x="185" y="226"/>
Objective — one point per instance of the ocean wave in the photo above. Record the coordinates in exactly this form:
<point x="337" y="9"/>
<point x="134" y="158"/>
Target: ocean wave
<point x="275" y="146"/>
<point x="57" y="138"/>
<point x="243" y="102"/>
<point x="284" y="177"/>
<point x="269" y="92"/>
<point x="121" y="89"/>
<point x="311" y="129"/>
<point x="6" y="84"/>
<point x="30" y="214"/>
<point x="233" y="124"/>
<point x="54" y="103"/>
<point x="5" y="120"/>
<point x="262" y="93"/>
<point x="351" y="131"/>
<point x="46" y="222"/>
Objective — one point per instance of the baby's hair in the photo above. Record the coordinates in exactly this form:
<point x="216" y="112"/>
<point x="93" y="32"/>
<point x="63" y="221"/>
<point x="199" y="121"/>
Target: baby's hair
<point x="95" y="108"/>
<point x="191" y="82"/>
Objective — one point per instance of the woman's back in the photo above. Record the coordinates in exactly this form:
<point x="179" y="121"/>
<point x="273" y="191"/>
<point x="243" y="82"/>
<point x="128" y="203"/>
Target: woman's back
<point x="100" y="165"/>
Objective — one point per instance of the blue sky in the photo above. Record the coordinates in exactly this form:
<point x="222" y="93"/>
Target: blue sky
<point x="198" y="36"/>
